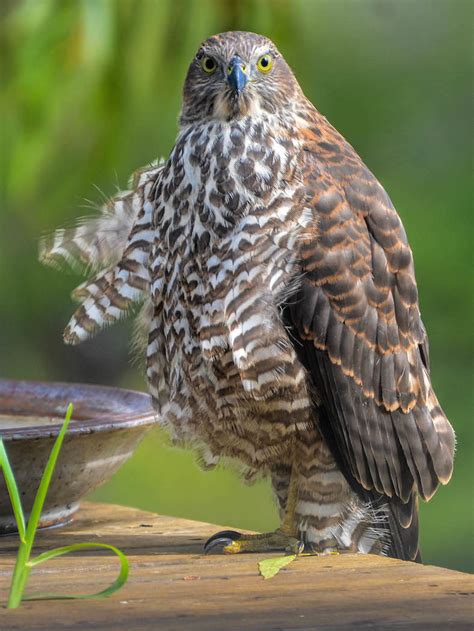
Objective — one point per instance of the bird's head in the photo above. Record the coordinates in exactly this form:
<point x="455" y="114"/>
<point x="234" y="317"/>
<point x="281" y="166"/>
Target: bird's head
<point x="236" y="74"/>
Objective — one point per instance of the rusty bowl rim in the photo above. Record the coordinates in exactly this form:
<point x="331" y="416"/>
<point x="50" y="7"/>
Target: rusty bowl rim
<point x="97" y="424"/>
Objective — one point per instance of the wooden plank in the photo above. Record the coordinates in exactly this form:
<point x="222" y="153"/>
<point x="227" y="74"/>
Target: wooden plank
<point x="173" y="586"/>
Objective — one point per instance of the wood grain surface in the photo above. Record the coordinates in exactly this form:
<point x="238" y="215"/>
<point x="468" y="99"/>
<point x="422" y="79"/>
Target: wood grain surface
<point x="172" y="585"/>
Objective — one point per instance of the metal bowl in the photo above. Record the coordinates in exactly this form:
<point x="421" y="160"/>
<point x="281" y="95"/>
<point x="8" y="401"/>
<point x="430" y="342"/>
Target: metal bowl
<point x="107" y="425"/>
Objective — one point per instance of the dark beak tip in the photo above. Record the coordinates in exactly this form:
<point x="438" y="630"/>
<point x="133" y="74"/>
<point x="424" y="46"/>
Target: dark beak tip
<point x="237" y="78"/>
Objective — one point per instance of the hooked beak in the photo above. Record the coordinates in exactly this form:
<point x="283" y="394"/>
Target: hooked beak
<point x="237" y="74"/>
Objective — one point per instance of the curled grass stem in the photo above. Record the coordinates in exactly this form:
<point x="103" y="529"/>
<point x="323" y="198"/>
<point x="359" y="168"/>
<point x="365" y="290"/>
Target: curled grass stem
<point x="24" y="563"/>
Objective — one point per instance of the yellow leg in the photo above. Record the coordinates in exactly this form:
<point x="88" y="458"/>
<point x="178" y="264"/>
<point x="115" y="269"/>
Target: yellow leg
<point x="284" y="538"/>
<point x="288" y="525"/>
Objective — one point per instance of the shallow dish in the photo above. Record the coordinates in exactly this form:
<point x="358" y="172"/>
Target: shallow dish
<point x="107" y="425"/>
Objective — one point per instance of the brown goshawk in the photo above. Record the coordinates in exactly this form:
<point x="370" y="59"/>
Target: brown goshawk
<point x="280" y="308"/>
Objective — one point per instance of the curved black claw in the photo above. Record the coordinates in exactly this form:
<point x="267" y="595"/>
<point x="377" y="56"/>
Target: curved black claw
<point x="221" y="539"/>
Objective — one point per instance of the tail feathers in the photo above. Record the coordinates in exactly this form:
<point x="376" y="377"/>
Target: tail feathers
<point x="402" y="526"/>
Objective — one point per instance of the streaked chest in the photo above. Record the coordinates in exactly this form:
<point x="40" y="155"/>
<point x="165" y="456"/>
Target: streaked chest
<point x="229" y="208"/>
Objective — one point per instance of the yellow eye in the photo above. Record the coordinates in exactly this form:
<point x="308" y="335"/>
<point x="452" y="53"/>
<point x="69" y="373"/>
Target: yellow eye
<point x="208" y="64"/>
<point x="265" y="63"/>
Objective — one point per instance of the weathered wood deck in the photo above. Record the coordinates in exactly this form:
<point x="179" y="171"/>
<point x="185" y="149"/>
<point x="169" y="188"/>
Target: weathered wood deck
<point x="173" y="586"/>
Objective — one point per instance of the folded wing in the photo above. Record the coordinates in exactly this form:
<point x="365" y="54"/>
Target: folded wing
<point x="357" y="320"/>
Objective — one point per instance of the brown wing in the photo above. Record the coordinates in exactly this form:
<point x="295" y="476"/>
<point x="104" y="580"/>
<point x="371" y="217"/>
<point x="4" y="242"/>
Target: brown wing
<point x="357" y="316"/>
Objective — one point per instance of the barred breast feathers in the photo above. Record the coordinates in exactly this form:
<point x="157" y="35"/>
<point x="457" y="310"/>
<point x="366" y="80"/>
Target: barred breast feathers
<point x="229" y="209"/>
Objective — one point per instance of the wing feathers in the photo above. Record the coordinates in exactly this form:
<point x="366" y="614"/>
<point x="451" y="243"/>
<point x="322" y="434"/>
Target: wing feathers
<point x="105" y="299"/>
<point x="116" y="244"/>
<point x="356" y="313"/>
<point x="97" y="242"/>
<point x="391" y="449"/>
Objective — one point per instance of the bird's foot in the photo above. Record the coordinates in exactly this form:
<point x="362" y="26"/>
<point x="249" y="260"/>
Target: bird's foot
<point x="232" y="542"/>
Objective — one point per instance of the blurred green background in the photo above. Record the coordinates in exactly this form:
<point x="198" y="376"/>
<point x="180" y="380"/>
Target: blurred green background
<point x="91" y="91"/>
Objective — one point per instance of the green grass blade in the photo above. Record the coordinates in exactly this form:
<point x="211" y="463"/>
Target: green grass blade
<point x="45" y="481"/>
<point x="12" y="491"/>
<point x="22" y="566"/>
<point x="117" y="584"/>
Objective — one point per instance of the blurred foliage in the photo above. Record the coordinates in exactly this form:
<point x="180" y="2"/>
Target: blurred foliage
<point x="91" y="91"/>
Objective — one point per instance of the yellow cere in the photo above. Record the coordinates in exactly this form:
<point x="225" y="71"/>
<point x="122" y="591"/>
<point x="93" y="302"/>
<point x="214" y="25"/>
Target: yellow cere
<point x="265" y="63"/>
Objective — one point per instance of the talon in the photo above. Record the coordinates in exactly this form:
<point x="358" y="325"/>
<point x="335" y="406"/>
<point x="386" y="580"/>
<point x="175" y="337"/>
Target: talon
<point x="232" y="542"/>
<point x="220" y="542"/>
<point x="309" y="549"/>
<point x="223" y="539"/>
<point x="295" y="546"/>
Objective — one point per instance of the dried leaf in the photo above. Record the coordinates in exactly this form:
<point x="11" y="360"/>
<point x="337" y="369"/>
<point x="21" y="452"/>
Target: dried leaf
<point x="268" y="568"/>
